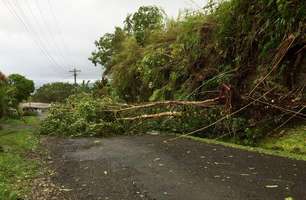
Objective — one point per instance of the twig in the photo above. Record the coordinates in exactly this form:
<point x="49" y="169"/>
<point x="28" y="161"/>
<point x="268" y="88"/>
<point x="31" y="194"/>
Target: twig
<point x="278" y="107"/>
<point x="208" y="81"/>
<point x="290" y="118"/>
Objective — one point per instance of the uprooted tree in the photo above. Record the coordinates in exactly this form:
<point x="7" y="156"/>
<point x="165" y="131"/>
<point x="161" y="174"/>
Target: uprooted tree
<point x="234" y="68"/>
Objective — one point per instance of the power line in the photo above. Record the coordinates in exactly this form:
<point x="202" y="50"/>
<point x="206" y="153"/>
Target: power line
<point x="39" y="32"/>
<point x="21" y="18"/>
<point x="49" y="30"/>
<point x="14" y="13"/>
<point x="57" y="26"/>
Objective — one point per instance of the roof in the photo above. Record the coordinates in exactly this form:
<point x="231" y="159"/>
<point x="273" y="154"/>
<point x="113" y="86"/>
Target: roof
<point x="35" y="105"/>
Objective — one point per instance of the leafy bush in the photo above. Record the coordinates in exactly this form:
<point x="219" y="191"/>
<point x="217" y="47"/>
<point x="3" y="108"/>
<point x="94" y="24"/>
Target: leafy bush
<point x="81" y="115"/>
<point x="21" y="87"/>
<point x="13" y="90"/>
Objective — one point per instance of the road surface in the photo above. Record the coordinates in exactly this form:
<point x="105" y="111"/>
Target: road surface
<point x="144" y="167"/>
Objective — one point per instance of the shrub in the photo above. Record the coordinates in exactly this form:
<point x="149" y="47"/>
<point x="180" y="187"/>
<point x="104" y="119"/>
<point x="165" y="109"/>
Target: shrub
<point x="80" y="115"/>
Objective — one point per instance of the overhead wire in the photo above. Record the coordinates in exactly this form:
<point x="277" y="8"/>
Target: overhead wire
<point x="39" y="32"/>
<point x="49" y="31"/>
<point x="57" y="26"/>
<point x="21" y="18"/>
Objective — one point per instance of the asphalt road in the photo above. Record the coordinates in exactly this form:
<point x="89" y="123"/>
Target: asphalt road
<point x="144" y="167"/>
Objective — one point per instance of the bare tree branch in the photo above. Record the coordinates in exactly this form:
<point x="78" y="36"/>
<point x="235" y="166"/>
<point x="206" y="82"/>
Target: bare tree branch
<point x="204" y="104"/>
<point x="153" y="116"/>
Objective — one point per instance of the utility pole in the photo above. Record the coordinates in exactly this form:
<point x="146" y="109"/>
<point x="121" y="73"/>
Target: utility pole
<point x="75" y="74"/>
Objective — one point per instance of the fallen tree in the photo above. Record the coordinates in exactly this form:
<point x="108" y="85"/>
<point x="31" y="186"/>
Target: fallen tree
<point x="203" y="104"/>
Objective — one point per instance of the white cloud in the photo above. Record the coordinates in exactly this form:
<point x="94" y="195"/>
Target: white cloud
<point x="81" y="22"/>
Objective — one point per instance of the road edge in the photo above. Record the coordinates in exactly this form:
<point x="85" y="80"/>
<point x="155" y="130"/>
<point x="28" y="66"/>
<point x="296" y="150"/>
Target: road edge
<point x="269" y="152"/>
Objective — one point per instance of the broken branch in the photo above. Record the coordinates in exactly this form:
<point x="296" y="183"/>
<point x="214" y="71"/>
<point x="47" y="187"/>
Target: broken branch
<point x="206" y="104"/>
<point x="153" y="116"/>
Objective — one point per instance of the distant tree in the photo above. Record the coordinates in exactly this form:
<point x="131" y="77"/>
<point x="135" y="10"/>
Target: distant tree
<point x="21" y="87"/>
<point x="54" y="92"/>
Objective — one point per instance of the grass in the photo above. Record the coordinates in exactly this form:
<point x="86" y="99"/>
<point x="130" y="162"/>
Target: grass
<point x="17" y="139"/>
<point x="263" y="149"/>
<point x="293" y="141"/>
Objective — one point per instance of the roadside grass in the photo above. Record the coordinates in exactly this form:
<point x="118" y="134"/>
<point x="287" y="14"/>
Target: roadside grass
<point x="292" y="141"/>
<point x="17" y="140"/>
<point x="261" y="149"/>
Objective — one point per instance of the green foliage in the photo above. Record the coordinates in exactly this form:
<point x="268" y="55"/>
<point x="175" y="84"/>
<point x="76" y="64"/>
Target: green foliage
<point x="21" y="87"/>
<point x="143" y="22"/>
<point x="16" y="170"/>
<point x="292" y="140"/>
<point x="107" y="46"/>
<point x="228" y="42"/>
<point x="251" y="25"/>
<point x="102" y="88"/>
<point x="81" y="115"/>
<point x="179" y="55"/>
<point x="7" y="195"/>
<point x="54" y="92"/>
<point x="13" y="90"/>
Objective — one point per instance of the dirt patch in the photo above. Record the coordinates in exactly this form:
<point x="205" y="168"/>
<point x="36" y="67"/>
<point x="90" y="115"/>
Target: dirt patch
<point x="43" y="186"/>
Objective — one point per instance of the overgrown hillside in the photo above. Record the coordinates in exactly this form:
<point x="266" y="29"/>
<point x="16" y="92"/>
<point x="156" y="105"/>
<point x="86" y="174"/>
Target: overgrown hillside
<point x="155" y="58"/>
<point x="247" y="55"/>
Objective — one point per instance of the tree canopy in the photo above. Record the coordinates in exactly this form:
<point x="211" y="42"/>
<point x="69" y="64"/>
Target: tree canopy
<point x="22" y="87"/>
<point x="155" y="58"/>
<point x="54" y="92"/>
<point x="13" y="90"/>
<point x="143" y="22"/>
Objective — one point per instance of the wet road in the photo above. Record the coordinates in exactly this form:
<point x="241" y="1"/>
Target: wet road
<point x="144" y="167"/>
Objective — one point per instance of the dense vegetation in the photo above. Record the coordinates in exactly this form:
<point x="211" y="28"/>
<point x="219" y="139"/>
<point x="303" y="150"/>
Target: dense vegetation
<point x="58" y="92"/>
<point x="81" y="115"/>
<point x="17" y="140"/>
<point x="250" y="52"/>
<point x="233" y="70"/>
<point x="53" y="92"/>
<point x="13" y="90"/>
<point x="163" y="58"/>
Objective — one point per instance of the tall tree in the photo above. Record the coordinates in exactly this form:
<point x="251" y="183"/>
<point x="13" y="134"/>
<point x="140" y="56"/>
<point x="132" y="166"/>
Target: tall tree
<point x="142" y="22"/>
<point x="21" y="87"/>
<point x="108" y="45"/>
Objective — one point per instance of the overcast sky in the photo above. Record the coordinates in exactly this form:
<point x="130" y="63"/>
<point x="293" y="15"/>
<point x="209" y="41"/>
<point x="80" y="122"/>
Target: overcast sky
<point x="60" y="34"/>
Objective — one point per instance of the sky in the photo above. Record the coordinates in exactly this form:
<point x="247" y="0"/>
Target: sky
<point x="45" y="39"/>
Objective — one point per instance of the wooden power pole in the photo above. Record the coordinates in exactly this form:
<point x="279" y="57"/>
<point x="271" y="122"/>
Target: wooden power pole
<point x="75" y="74"/>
